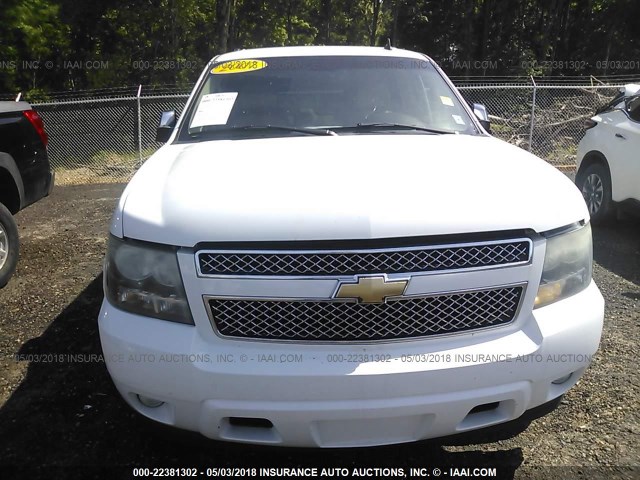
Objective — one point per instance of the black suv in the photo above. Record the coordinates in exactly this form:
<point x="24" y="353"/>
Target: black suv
<point x="25" y="174"/>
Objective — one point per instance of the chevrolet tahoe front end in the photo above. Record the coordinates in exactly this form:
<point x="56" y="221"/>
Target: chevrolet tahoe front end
<point x="288" y="270"/>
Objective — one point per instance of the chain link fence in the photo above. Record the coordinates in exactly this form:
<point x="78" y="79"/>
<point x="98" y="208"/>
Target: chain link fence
<point x="546" y="120"/>
<point x="107" y="139"/>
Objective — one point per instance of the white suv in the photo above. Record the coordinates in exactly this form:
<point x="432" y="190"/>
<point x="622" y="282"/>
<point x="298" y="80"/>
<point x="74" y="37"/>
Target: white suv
<point x="608" y="171"/>
<point x="331" y="251"/>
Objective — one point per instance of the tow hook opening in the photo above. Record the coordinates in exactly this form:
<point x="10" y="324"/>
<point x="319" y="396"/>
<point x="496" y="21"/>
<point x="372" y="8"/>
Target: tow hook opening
<point x="485" y="407"/>
<point x="250" y="422"/>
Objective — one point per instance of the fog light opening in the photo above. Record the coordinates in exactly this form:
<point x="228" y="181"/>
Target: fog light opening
<point x="561" y="380"/>
<point x="149" y="402"/>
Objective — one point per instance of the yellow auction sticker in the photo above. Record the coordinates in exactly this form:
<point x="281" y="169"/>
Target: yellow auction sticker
<point x="238" y="66"/>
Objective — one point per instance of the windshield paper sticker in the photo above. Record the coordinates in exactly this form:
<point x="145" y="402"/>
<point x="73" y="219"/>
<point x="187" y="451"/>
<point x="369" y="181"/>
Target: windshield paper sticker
<point x="214" y="109"/>
<point x="238" y="66"/>
<point x="446" y="101"/>
<point x="458" y="119"/>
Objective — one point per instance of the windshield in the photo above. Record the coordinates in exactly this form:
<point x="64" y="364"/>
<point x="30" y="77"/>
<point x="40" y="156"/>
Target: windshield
<point x="342" y="94"/>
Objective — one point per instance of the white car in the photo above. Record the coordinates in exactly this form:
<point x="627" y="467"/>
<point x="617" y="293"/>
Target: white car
<point x="608" y="172"/>
<point x="331" y="251"/>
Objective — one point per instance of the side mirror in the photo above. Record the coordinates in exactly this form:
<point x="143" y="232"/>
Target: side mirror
<point x="481" y="112"/>
<point x="166" y="125"/>
<point x="633" y="104"/>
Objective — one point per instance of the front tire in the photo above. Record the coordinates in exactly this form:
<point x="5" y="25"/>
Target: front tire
<point x="595" y="184"/>
<point x="9" y="245"/>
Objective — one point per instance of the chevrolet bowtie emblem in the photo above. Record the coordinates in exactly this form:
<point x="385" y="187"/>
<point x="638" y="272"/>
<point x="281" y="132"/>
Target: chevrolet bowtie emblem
<point x="371" y="289"/>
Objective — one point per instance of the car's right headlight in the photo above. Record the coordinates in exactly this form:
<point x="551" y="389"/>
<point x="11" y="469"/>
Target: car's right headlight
<point x="144" y="278"/>
<point x="567" y="266"/>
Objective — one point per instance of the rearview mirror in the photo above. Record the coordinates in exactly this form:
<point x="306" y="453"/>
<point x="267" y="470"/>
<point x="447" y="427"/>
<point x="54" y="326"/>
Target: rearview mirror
<point x="166" y="126"/>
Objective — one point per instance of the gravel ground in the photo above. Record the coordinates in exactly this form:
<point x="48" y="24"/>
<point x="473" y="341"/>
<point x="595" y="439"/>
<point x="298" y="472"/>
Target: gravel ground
<point x="65" y="419"/>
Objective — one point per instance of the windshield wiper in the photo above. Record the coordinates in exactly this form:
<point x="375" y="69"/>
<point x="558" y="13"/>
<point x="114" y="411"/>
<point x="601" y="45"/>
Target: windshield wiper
<point x="389" y="126"/>
<point x="215" y="129"/>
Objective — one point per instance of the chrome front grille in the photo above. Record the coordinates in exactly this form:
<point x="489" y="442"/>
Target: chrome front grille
<point x="338" y="321"/>
<point x="355" y="262"/>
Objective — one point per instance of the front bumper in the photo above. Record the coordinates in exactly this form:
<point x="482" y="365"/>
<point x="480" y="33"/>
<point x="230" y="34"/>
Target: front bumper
<point x="349" y="395"/>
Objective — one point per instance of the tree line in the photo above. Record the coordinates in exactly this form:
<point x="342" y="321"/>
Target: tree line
<point x="55" y="45"/>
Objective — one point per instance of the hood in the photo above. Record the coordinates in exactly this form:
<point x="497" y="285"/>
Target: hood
<point x="343" y="187"/>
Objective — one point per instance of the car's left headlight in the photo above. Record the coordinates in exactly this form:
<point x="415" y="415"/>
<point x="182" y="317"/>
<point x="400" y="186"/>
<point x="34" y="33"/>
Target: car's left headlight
<point x="567" y="266"/>
<point x="144" y="278"/>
